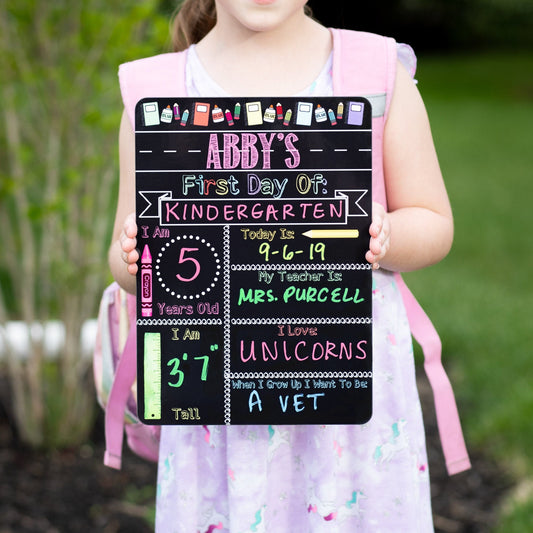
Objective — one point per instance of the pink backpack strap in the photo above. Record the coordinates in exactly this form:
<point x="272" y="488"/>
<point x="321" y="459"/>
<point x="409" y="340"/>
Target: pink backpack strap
<point x="365" y="64"/>
<point x="125" y="375"/>
<point x="451" y="434"/>
<point x="158" y="76"/>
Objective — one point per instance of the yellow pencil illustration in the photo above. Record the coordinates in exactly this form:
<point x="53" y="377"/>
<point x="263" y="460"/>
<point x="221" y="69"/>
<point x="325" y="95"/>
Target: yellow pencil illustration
<point x="332" y="234"/>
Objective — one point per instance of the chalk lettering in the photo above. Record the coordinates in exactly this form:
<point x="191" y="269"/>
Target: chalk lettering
<point x="206" y="186"/>
<point x="294" y="160"/>
<point x="260" y="234"/>
<point x="306" y="276"/>
<point x="248" y="154"/>
<point x="240" y="384"/>
<point x="254" y="400"/>
<point x="255" y="296"/>
<point x="306" y="184"/>
<point x="176" y="212"/>
<point x="298" y="402"/>
<point x="186" y="413"/>
<point x="302" y="350"/>
<point x="322" y="295"/>
<point x="266" y="186"/>
<point x="174" y="309"/>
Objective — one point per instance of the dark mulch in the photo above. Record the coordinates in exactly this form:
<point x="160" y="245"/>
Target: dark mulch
<point x="72" y="492"/>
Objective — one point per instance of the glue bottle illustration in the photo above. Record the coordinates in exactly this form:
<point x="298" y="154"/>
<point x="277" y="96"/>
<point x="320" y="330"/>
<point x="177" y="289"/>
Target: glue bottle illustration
<point x="184" y="117"/>
<point x="270" y="114"/>
<point x="217" y="114"/>
<point x="166" y="115"/>
<point x="320" y="114"/>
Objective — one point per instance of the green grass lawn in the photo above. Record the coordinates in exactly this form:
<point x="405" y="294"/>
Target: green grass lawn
<point x="481" y="296"/>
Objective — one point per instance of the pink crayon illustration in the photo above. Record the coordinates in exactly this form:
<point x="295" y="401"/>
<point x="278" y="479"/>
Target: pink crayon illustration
<point x="146" y="282"/>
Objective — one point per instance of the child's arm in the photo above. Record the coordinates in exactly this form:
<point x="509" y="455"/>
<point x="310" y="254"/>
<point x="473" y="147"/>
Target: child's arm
<point x="417" y="231"/>
<point x="123" y="254"/>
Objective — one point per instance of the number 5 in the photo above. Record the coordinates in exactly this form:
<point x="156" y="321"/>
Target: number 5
<point x="183" y="259"/>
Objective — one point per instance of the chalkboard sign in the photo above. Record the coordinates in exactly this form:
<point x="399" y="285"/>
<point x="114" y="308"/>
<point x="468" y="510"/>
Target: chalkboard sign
<point x="254" y="297"/>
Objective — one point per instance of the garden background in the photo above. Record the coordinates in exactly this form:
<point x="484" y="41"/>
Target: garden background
<point x="59" y="114"/>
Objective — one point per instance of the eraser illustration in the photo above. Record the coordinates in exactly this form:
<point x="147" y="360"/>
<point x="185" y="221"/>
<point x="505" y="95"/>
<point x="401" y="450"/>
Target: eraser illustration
<point x="229" y="118"/>
<point x="320" y="114"/>
<point x="288" y="116"/>
<point x="184" y="118"/>
<point x="355" y="113"/>
<point x="151" y="114"/>
<point x="201" y="114"/>
<point x="254" y="116"/>
<point x="340" y="111"/>
<point x="217" y="114"/>
<point x="166" y="115"/>
<point x="304" y="113"/>
<point x="332" y="118"/>
<point x="279" y="111"/>
<point x="237" y="111"/>
<point x="270" y="114"/>
<point x="176" y="109"/>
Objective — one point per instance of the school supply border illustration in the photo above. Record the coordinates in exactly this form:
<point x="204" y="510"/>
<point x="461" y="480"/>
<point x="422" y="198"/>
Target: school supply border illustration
<point x="255" y="299"/>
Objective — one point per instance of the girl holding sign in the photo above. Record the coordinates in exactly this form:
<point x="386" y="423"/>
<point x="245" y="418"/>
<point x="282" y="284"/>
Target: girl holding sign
<point x="301" y="479"/>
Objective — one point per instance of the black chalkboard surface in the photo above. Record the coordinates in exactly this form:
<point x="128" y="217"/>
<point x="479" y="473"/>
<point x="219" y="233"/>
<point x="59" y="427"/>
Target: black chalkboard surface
<point x="255" y="299"/>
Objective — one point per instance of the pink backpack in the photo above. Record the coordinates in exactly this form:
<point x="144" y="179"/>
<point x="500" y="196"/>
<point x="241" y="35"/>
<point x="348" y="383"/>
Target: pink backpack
<point x="115" y="367"/>
<point x="164" y="75"/>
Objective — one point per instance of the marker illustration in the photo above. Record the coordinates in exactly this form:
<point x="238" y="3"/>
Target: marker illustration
<point x="287" y="118"/>
<point x="332" y="118"/>
<point x="176" y="109"/>
<point x="279" y="111"/>
<point x="237" y="111"/>
<point x="184" y="117"/>
<point x="340" y="111"/>
<point x="146" y="282"/>
<point x="331" y="234"/>
<point x="229" y="118"/>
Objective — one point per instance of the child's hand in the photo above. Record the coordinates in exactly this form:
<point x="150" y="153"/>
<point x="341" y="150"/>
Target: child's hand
<point x="379" y="235"/>
<point x="128" y="244"/>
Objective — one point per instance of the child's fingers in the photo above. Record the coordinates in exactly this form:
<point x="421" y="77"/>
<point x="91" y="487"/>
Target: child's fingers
<point x="375" y="246"/>
<point x="372" y="259"/>
<point x="132" y="257"/>
<point x="130" y="226"/>
<point x="127" y="244"/>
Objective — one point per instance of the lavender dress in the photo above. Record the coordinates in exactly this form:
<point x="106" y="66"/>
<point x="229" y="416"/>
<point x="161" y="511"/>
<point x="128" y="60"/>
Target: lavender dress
<point x="307" y="479"/>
